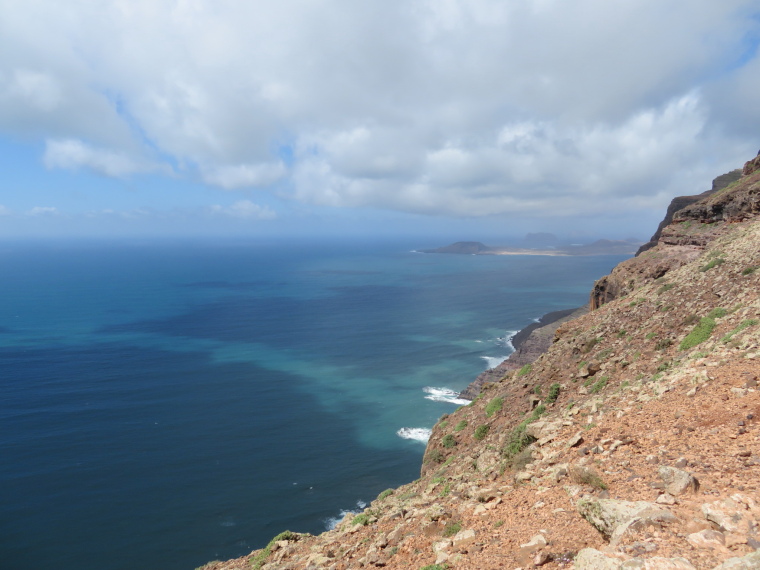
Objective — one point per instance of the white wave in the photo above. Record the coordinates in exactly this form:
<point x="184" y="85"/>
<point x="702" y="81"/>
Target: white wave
<point x="493" y="361"/>
<point x="417" y="434"/>
<point x="506" y="340"/>
<point x="444" y="395"/>
<point x="332" y="522"/>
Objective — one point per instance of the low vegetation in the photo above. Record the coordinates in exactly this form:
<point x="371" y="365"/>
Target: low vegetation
<point x="699" y="335"/>
<point x="448" y="441"/>
<point x="258" y="560"/>
<point x="481" y="432"/>
<point x="494" y="406"/>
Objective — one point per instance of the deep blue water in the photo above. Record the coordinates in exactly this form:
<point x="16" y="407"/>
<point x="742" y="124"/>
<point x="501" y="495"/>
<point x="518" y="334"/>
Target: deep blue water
<point x="168" y="404"/>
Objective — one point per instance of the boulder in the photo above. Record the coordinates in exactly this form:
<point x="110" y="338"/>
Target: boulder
<point x="735" y="514"/>
<point x="615" y="518"/>
<point x="677" y="481"/>
<point x="592" y="559"/>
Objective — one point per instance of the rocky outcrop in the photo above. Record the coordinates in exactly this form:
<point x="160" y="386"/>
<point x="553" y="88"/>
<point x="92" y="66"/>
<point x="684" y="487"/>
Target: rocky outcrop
<point x="680" y="202"/>
<point x="691" y="223"/>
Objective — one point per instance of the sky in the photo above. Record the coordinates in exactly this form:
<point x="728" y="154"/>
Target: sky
<point x="461" y="119"/>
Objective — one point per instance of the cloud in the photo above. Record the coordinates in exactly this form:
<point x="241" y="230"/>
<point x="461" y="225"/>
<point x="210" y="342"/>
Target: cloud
<point x="442" y="107"/>
<point x="245" y="209"/>
<point x="245" y="175"/>
<point x="5" y="211"/>
<point x="43" y="211"/>
<point x="73" y="154"/>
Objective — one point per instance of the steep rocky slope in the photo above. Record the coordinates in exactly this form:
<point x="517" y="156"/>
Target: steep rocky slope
<point x="633" y="442"/>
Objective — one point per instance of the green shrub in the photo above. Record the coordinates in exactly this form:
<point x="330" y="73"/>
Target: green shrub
<point x="525" y="370"/>
<point x="443" y="424"/>
<point x="743" y="325"/>
<point x="258" y="560"/>
<point x="461" y="425"/>
<point x="494" y="406"/>
<point x="600" y="384"/>
<point x="750" y="270"/>
<point x="712" y="263"/>
<point x="452" y="528"/>
<point x="448" y="441"/>
<point x="362" y="519"/>
<point x="446" y="490"/>
<point x="384" y="494"/>
<point x="717" y="313"/>
<point x="518" y="439"/>
<point x="651" y="335"/>
<point x="553" y="394"/>
<point x="481" y="432"/>
<point x="435" y="455"/>
<point x="699" y="335"/>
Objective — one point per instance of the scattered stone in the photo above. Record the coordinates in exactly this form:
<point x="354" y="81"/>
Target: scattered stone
<point x="666" y="499"/>
<point x="657" y="563"/>
<point x="708" y="539"/>
<point x="677" y="481"/>
<point x="538" y="541"/>
<point x="748" y="562"/>
<point x="592" y="559"/>
<point x="575" y="441"/>
<point x="734" y="514"/>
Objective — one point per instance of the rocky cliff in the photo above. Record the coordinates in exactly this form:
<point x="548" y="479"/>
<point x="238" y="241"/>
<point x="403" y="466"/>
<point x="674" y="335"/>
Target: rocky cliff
<point x="632" y="442"/>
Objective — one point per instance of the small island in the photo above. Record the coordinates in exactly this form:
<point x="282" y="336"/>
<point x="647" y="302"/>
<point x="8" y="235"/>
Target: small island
<point x="541" y="247"/>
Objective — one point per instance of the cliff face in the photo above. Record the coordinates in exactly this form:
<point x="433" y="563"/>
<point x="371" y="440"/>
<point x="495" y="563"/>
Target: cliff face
<point x="690" y="224"/>
<point x="632" y="442"/>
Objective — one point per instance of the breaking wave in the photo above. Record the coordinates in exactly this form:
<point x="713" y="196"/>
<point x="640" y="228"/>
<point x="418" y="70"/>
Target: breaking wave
<point x="332" y="522"/>
<point x="444" y="395"/>
<point x="417" y="434"/>
<point x="493" y="361"/>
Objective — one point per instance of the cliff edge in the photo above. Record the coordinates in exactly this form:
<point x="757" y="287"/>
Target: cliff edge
<point x="633" y="442"/>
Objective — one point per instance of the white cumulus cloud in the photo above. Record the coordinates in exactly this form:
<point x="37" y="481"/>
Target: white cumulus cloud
<point x="73" y="154"/>
<point x="245" y="209"/>
<point x="443" y="107"/>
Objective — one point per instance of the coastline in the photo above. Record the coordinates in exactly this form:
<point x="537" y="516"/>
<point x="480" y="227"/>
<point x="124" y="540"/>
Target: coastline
<point x="529" y="343"/>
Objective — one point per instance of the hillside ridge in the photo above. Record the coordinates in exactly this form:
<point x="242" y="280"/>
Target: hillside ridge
<point x="632" y="442"/>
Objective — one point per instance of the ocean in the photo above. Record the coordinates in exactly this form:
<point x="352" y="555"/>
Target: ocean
<point x="169" y="403"/>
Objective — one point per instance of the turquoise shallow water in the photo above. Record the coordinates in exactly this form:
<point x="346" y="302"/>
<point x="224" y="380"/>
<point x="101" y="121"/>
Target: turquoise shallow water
<point x="164" y="405"/>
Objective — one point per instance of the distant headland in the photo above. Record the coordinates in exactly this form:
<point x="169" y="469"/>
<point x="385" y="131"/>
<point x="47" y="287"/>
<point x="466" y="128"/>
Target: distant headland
<point x="542" y="244"/>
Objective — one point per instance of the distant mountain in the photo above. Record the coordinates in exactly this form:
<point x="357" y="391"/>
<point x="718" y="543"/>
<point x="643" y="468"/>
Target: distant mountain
<point x="466" y="247"/>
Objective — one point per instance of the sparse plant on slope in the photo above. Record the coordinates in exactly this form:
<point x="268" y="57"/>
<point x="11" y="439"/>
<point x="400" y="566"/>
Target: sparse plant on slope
<point x="494" y="406"/>
<point x="553" y="394"/>
<point x="699" y="335"/>
<point x="384" y="494"/>
<point x="481" y="432"/>
<point x="258" y="560"/>
<point x="461" y="425"/>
